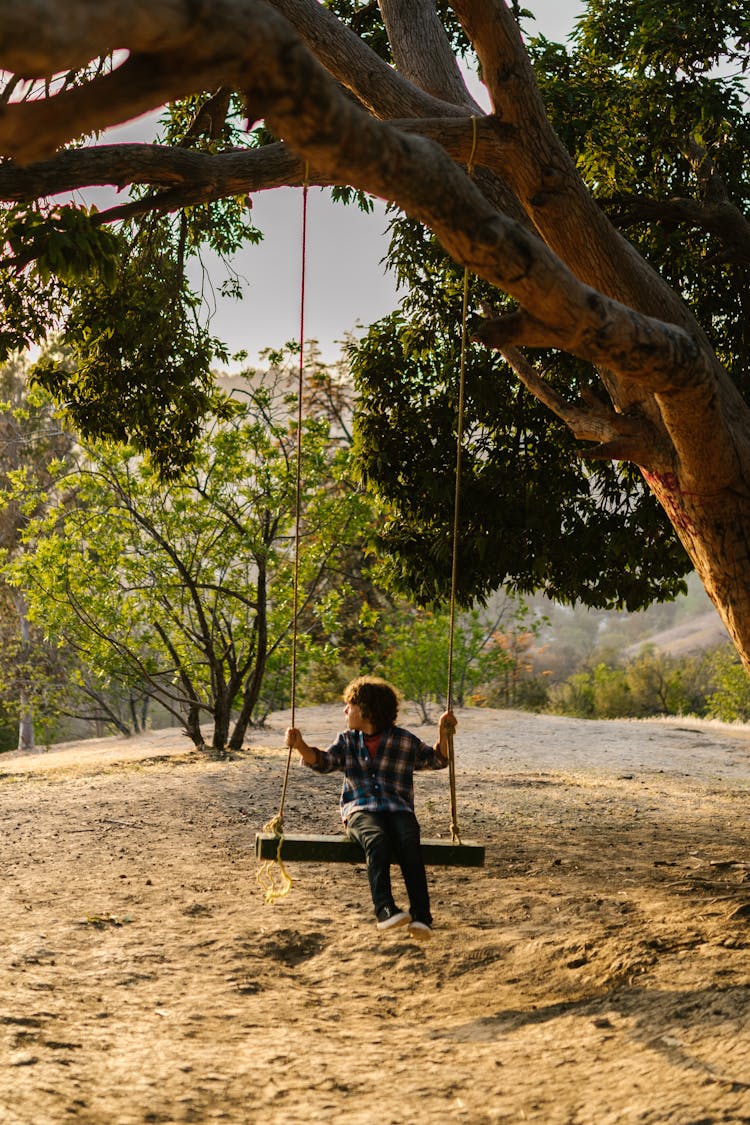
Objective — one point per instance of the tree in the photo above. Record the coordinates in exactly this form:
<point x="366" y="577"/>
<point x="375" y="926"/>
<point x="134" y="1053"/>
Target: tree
<point x="487" y="660"/>
<point x="531" y="517"/>
<point x="181" y="590"/>
<point x="526" y="223"/>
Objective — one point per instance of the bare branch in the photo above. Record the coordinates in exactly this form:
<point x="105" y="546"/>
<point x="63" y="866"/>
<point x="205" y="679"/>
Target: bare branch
<point x="217" y="174"/>
<point x="618" y="437"/>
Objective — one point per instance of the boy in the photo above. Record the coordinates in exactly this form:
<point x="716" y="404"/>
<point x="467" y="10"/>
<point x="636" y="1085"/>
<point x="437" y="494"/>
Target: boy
<point x="377" y="799"/>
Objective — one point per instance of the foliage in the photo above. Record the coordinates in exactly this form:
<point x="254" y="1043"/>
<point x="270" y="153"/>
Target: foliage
<point x="26" y="671"/>
<point x="652" y="683"/>
<point x="730" y="699"/>
<point x="136" y="362"/>
<point x="43" y="682"/>
<point x="133" y="354"/>
<point x="33" y="441"/>
<point x="182" y="589"/>
<point x="640" y="100"/>
<point x="516" y="635"/>
<point x="528" y="506"/>
<point x="416" y="647"/>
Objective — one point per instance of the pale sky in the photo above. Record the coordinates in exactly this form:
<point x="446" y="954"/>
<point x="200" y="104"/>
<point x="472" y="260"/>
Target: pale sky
<point x="346" y="283"/>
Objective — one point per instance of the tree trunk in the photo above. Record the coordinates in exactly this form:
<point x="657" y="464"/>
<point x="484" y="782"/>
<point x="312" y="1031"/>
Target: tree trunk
<point x="221" y="716"/>
<point x="25" y="727"/>
<point x="260" y="654"/>
<point x="193" y="726"/>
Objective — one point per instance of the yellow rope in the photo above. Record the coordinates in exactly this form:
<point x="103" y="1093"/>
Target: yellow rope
<point x="455" y="834"/>
<point x="273" y="877"/>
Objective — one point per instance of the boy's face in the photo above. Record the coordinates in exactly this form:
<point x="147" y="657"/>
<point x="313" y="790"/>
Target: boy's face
<point x="354" y="718"/>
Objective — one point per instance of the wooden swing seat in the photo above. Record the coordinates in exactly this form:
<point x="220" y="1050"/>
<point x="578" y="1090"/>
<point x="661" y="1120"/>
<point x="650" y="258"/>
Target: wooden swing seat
<point x="340" y="849"/>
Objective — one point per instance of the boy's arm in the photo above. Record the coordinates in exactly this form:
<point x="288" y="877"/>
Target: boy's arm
<point x="295" y="741"/>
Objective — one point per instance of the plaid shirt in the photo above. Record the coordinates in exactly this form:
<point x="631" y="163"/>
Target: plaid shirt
<point x="384" y="783"/>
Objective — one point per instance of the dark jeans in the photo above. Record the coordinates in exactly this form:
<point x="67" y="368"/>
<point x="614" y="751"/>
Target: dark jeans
<point x="387" y="837"/>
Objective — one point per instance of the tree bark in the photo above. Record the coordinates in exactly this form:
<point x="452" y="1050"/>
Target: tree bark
<point x="579" y="285"/>
<point x="259" y="651"/>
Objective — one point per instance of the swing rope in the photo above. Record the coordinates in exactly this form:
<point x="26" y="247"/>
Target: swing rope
<point x="455" y="833"/>
<point x="272" y="876"/>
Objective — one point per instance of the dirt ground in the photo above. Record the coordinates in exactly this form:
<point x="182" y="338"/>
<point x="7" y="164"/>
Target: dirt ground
<point x="596" y="970"/>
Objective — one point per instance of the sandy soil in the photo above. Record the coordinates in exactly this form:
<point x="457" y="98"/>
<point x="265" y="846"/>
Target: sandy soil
<point x="597" y="970"/>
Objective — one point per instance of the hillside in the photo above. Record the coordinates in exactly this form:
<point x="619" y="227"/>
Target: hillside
<point x="693" y="635"/>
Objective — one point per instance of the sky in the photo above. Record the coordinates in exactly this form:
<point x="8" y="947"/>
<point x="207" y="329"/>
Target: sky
<point x="346" y="284"/>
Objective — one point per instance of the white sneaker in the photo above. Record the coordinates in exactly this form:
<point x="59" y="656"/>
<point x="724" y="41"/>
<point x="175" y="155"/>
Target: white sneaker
<point x="390" y="917"/>
<point x="420" y="931"/>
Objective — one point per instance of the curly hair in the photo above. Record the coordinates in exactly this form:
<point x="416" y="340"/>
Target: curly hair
<point x="376" y="699"/>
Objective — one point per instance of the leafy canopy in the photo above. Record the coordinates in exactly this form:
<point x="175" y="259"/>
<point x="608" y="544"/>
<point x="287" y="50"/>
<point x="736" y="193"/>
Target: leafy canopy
<point x="639" y="102"/>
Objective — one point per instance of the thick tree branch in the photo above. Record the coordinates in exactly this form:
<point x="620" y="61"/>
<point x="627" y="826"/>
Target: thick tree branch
<point x="422" y="52"/>
<point x="387" y="93"/>
<point x="141" y="83"/>
<point x="218" y="174"/>
<point x="207" y="176"/>
<point x="37" y="41"/>
<point x="543" y="175"/>
<point x="721" y="218"/>
<point x="383" y="90"/>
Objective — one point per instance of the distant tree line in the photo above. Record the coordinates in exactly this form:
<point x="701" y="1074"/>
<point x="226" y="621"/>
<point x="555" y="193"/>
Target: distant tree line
<point x="711" y="685"/>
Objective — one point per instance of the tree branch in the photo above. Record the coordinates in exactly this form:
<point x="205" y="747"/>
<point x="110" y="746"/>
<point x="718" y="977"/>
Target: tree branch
<point x="619" y="438"/>
<point x="422" y="52"/>
<point x="302" y="103"/>
<point x="720" y="218"/>
<point x="259" y="51"/>
<point x="543" y="175"/>
<point x="383" y="90"/>
<point x="208" y="176"/>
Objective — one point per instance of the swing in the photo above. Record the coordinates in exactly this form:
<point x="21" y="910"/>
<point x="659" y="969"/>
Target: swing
<point x="341" y="849"/>
<point x="272" y="844"/>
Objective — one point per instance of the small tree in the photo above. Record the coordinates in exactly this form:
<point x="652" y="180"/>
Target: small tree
<point x="416" y="650"/>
